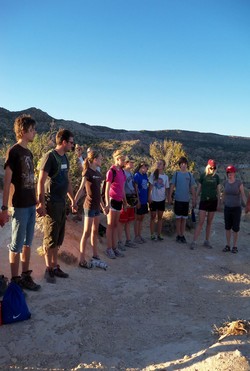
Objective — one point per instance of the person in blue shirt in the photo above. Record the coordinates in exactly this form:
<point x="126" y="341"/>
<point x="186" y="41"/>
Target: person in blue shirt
<point x="141" y="188"/>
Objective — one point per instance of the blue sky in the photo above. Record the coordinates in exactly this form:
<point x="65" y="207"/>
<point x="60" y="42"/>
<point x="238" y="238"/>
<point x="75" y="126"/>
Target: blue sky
<point x="129" y="64"/>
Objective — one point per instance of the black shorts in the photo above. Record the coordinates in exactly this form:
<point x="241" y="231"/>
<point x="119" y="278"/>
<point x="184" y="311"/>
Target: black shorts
<point x="232" y="217"/>
<point x="181" y="209"/>
<point x="142" y="210"/>
<point x="116" y="205"/>
<point x="208" y="205"/>
<point x="157" y="205"/>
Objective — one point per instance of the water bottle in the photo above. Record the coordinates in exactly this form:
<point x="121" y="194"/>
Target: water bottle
<point x="99" y="264"/>
<point x="193" y="216"/>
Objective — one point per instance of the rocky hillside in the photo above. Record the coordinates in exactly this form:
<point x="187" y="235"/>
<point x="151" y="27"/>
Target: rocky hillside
<point x="199" y="146"/>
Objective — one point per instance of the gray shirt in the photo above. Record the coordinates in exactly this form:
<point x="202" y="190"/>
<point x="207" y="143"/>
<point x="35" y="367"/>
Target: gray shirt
<point x="232" y="196"/>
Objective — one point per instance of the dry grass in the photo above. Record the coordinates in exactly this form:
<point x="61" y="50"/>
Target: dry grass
<point x="239" y="327"/>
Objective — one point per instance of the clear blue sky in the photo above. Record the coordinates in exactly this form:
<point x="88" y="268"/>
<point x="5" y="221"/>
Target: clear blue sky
<point x="129" y="64"/>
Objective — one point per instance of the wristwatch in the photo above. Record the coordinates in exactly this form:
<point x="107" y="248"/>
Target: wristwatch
<point x="3" y="208"/>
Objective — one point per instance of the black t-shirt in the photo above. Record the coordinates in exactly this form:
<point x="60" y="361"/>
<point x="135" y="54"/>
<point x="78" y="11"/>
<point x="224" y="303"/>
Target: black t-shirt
<point x="57" y="182"/>
<point x="20" y="161"/>
<point x="93" y="189"/>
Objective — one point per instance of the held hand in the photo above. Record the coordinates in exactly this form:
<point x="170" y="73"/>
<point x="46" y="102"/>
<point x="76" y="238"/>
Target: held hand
<point x="41" y="210"/>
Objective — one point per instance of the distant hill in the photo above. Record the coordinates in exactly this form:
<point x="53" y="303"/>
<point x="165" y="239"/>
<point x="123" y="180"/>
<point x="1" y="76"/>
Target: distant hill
<point x="199" y="146"/>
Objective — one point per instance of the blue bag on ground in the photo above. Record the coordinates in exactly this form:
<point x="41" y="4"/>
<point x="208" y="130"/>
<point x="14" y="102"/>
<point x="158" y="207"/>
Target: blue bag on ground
<point x="14" y="306"/>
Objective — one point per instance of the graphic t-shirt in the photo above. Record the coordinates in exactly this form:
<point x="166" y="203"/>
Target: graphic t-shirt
<point x="209" y="185"/>
<point x="20" y="161"/>
<point x="142" y="181"/>
<point x="57" y="182"/>
<point x="93" y="189"/>
<point x="159" y="187"/>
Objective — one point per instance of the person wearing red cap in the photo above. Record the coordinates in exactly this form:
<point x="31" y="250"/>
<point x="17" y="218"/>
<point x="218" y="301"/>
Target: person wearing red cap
<point x="233" y="195"/>
<point x="209" y="188"/>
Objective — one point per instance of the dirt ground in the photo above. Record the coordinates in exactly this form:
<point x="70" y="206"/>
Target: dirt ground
<point x="154" y="309"/>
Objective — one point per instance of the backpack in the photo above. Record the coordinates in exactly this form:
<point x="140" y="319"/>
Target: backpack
<point x="14" y="306"/>
<point x="104" y="183"/>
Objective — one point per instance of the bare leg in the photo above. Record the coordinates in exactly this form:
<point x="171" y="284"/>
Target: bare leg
<point x="152" y="222"/>
<point x="85" y="235"/>
<point x="210" y="217"/>
<point x="94" y="235"/>
<point x="25" y="258"/>
<point x="202" y="216"/>
<point x="14" y="259"/>
<point x="159" y="223"/>
<point x="228" y="236"/>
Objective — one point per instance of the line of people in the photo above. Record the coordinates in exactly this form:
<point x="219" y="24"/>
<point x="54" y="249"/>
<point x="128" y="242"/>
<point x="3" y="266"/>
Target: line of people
<point x="128" y="197"/>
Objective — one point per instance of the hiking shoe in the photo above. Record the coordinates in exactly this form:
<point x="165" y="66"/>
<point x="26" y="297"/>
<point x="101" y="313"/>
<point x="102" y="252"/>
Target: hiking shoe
<point x="3" y="284"/>
<point x="207" y="244"/>
<point x="28" y="283"/>
<point x="193" y="245"/>
<point x="234" y="250"/>
<point x="183" y="239"/>
<point x="160" y="238"/>
<point x="178" y="239"/>
<point x="226" y="248"/>
<point x="120" y="246"/>
<point x="59" y="273"/>
<point x="118" y="253"/>
<point x="138" y="240"/>
<point x="129" y="243"/>
<point x="85" y="264"/>
<point x="110" y="253"/>
<point x="153" y="237"/>
<point x="49" y="275"/>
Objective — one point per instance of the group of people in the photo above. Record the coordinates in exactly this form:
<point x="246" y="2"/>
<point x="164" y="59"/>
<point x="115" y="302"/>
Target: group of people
<point x="128" y="195"/>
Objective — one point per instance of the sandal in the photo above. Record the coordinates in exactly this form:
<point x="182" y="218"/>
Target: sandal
<point x="234" y="250"/>
<point x="226" y="248"/>
<point x="85" y="264"/>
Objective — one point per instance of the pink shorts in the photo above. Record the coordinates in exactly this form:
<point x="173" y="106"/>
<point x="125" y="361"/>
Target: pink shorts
<point x="128" y="215"/>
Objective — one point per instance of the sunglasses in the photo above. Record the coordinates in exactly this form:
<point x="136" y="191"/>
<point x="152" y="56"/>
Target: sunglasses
<point x="212" y="168"/>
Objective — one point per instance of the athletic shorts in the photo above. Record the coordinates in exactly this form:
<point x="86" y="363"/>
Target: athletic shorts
<point x="54" y="225"/>
<point x="23" y="225"/>
<point x="142" y="210"/>
<point x="232" y="217"/>
<point x="128" y="215"/>
<point x="208" y="205"/>
<point x="157" y="206"/>
<point x="116" y="205"/>
<point x="91" y="213"/>
<point x="181" y="209"/>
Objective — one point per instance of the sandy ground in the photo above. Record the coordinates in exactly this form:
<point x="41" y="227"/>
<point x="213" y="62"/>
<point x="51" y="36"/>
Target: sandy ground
<point x="154" y="309"/>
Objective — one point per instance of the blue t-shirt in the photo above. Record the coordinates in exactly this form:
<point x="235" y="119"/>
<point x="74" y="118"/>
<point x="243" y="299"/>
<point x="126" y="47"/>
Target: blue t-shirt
<point x="183" y="183"/>
<point x="142" y="181"/>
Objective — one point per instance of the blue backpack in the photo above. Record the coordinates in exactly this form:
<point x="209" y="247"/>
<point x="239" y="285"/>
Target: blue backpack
<point x="14" y="307"/>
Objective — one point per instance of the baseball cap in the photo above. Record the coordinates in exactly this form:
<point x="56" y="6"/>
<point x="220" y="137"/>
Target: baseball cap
<point x="211" y="163"/>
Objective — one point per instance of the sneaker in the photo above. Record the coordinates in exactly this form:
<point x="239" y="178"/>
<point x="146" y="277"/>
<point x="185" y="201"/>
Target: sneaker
<point x="28" y="283"/>
<point x="120" y="246"/>
<point x="143" y="240"/>
<point x="153" y="237"/>
<point x="59" y="273"/>
<point x="96" y="257"/>
<point x="129" y="243"/>
<point x="226" y="248"/>
<point x="50" y="275"/>
<point x="178" y="239"/>
<point x="160" y="238"/>
<point x="183" y="239"/>
<point x="3" y="284"/>
<point x="207" y="244"/>
<point x="110" y="253"/>
<point x="193" y="245"/>
<point x="118" y="253"/>
<point x="138" y="240"/>
<point x="234" y="250"/>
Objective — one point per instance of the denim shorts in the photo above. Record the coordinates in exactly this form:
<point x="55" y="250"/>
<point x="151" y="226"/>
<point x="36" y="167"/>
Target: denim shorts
<point x="91" y="213"/>
<point x="23" y="225"/>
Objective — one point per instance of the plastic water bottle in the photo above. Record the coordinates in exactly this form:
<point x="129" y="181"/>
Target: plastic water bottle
<point x="193" y="216"/>
<point x="99" y="264"/>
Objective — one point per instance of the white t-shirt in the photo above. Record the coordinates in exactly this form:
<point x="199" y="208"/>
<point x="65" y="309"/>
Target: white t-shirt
<point x="159" y="187"/>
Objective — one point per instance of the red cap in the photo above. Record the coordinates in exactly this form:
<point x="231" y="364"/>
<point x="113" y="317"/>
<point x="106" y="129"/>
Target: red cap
<point x="212" y="163"/>
<point x="231" y="169"/>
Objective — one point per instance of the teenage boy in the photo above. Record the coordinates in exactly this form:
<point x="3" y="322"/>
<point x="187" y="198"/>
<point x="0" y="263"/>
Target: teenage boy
<point x="19" y="172"/>
<point x="53" y="186"/>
